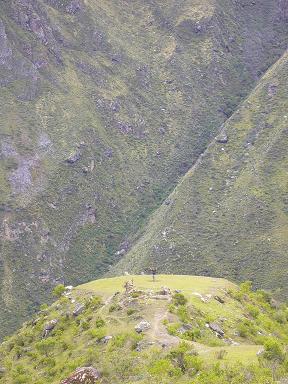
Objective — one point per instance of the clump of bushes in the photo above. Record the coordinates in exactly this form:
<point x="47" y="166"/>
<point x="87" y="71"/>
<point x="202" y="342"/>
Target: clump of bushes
<point x="115" y="307"/>
<point x="58" y="290"/>
<point x="179" y="299"/>
<point x="273" y="350"/>
<point x="99" y="322"/>
<point x="97" y="333"/>
<point x="131" y="311"/>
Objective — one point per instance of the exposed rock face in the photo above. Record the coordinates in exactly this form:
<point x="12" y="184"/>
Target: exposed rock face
<point x="142" y="326"/>
<point x="85" y="375"/>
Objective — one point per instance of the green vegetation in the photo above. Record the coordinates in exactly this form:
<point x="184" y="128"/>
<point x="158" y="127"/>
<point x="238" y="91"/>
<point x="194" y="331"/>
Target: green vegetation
<point x="104" y="108"/>
<point x="99" y="338"/>
<point x="228" y="215"/>
<point x="58" y="290"/>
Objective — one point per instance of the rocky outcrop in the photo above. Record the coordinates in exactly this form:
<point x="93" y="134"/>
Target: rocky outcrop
<point x="164" y="291"/>
<point x="106" y="339"/>
<point x="74" y="157"/>
<point x="78" y="310"/>
<point x="184" y="328"/>
<point x="85" y="375"/>
<point x="222" y="138"/>
<point x="49" y="327"/>
<point x="217" y="329"/>
<point x="142" y="326"/>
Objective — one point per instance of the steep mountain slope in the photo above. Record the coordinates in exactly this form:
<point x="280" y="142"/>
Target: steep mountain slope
<point x="210" y="332"/>
<point x="104" y="105"/>
<point x="228" y="216"/>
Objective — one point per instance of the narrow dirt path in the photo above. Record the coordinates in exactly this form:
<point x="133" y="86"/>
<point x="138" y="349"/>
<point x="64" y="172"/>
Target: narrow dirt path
<point x="159" y="331"/>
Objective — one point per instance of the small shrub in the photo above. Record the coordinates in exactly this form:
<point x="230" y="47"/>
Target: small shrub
<point x="179" y="299"/>
<point x="173" y="328"/>
<point x="273" y="350"/>
<point x="183" y="314"/>
<point x="44" y="307"/>
<point x="93" y="302"/>
<point x="172" y="308"/>
<point x="58" y="290"/>
<point x="185" y="359"/>
<point x="131" y="311"/>
<point x="253" y="311"/>
<point x="280" y="317"/>
<point x="99" y="323"/>
<point x="164" y="367"/>
<point x="246" y="329"/>
<point x="85" y="325"/>
<point x="97" y="333"/>
<point x="264" y="296"/>
<point x="114" y="307"/>
<point x="120" y="340"/>
<point x="46" y="346"/>
<point x="136" y="294"/>
<point x="192" y="334"/>
<point x="221" y="354"/>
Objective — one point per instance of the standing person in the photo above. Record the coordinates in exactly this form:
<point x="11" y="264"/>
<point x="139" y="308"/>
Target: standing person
<point x="154" y="272"/>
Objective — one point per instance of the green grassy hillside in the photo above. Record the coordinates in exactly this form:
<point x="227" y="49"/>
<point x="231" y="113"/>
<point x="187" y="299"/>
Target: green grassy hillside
<point x="228" y="215"/>
<point x="198" y="330"/>
<point x="104" y="107"/>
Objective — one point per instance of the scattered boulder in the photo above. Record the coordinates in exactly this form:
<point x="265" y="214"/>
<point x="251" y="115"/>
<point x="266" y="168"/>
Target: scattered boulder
<point x="143" y="345"/>
<point x="231" y="342"/>
<point x="79" y="309"/>
<point x="142" y="326"/>
<point x="184" y="328"/>
<point x="106" y="339"/>
<point x="35" y="321"/>
<point x="160" y="297"/>
<point x="85" y="375"/>
<point x="164" y="291"/>
<point x="49" y="327"/>
<point x="274" y="304"/>
<point x="272" y="89"/>
<point x="69" y="287"/>
<point x="2" y="371"/>
<point x="121" y="252"/>
<point x="216" y="328"/>
<point x="73" y="7"/>
<point x="222" y="138"/>
<point x="75" y="156"/>
<point x="220" y="299"/>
